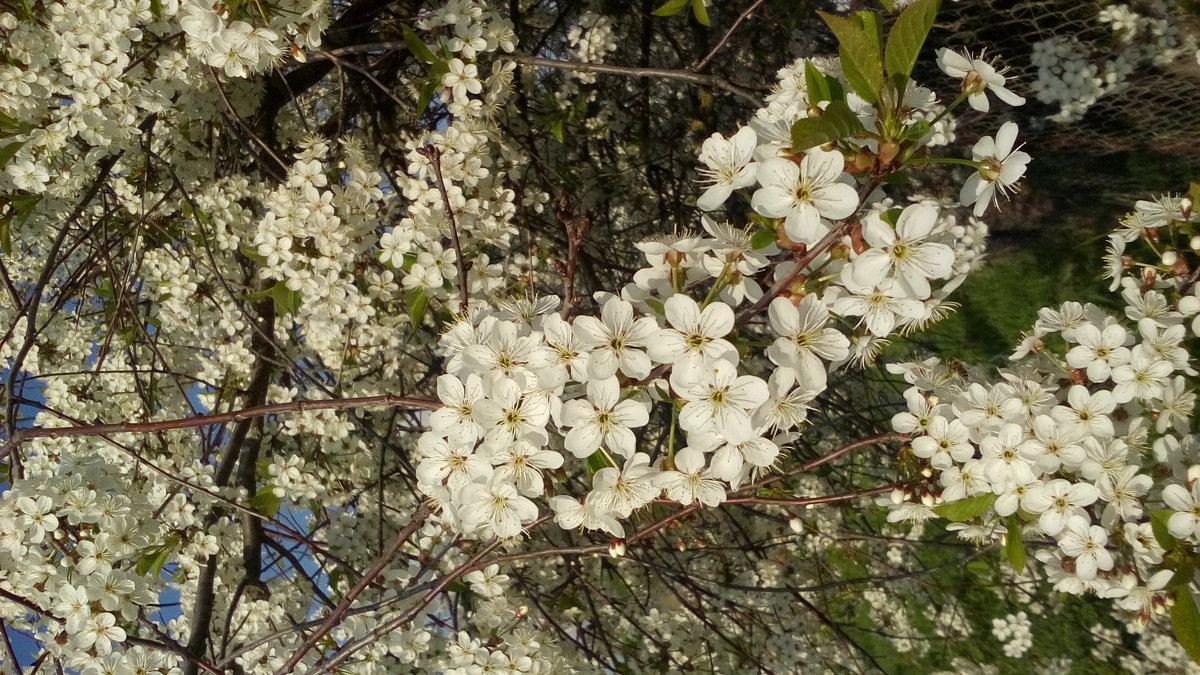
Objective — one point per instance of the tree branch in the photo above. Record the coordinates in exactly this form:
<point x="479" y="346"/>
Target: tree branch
<point x="664" y="73"/>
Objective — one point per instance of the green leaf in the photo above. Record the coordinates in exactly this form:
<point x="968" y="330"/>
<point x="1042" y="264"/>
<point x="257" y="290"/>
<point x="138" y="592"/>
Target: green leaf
<point x="889" y="5"/>
<point x="917" y="130"/>
<point x="418" y="303"/>
<point x="1185" y="622"/>
<point x="1014" y="547"/>
<point x="156" y="9"/>
<point x="871" y="28"/>
<point x="417" y="47"/>
<point x="6" y="234"/>
<point x="837" y="121"/>
<point x="862" y="64"/>
<point x="596" y="461"/>
<point x="907" y="36"/>
<point x="671" y="7"/>
<point x="701" y="12"/>
<point x="979" y="568"/>
<point x="154" y="559"/>
<point x="1194" y="194"/>
<point x="286" y="300"/>
<point x="9" y="151"/>
<point x="432" y="86"/>
<point x="816" y="84"/>
<point x="965" y="509"/>
<point x="9" y="126"/>
<point x="265" y="501"/>
<point x="1158" y="523"/>
<point x="891" y="216"/>
<point x="762" y="238"/>
<point x="556" y="128"/>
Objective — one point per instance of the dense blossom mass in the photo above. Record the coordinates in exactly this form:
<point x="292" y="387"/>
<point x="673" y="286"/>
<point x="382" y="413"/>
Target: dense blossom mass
<point x="289" y="392"/>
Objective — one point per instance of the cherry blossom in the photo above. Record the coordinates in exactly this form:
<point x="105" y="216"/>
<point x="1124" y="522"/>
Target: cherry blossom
<point x="804" y="194"/>
<point x="1001" y="165"/>
<point x="728" y="166"/>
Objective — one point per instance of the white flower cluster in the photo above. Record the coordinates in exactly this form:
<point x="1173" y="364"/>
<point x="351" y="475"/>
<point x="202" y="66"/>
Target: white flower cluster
<point x="1014" y="631"/>
<point x="1073" y="74"/>
<point x="591" y="39"/>
<point x="525" y="386"/>
<point x="1067" y="443"/>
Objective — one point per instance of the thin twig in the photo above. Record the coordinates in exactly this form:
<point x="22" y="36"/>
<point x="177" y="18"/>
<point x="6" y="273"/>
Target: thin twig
<point x="700" y="65"/>
<point x="337" y="615"/>
<point x="8" y="647"/>
<point x="435" y="158"/>
<point x="803" y="260"/>
<point x="664" y="73"/>
<point x="23" y="435"/>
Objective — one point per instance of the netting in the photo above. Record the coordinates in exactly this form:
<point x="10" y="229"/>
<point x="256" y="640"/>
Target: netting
<point x="1111" y="92"/>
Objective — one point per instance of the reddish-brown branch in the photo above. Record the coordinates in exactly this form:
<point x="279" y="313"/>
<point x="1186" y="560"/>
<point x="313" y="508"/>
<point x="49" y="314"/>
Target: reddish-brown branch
<point x="435" y="158"/>
<point x="23" y="435"/>
<point x="828" y="457"/>
<point x="339" y="612"/>
<point x="477" y="562"/>
<point x="803" y="260"/>
<point x="809" y="501"/>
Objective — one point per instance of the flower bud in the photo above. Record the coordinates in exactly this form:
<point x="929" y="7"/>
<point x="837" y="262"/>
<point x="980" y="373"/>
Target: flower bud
<point x="1185" y="207"/>
<point x="1193" y="473"/>
<point x="1169" y="258"/>
<point x="856" y="238"/>
<point x="862" y="161"/>
<point x="887" y="153"/>
<point x="783" y="241"/>
<point x="897" y="496"/>
<point x="616" y="548"/>
<point x="796" y="524"/>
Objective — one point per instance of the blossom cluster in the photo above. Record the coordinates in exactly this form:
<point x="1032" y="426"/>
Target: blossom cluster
<point x="529" y="391"/>
<point x="1088" y="437"/>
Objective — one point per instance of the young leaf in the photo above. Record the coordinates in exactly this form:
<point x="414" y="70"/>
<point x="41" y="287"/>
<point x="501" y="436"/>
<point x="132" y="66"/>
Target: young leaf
<point x="1185" y="622"/>
<point x="6" y="233"/>
<point x="671" y="7"/>
<point x="154" y="559"/>
<point x="816" y="84"/>
<point x="417" y="47"/>
<point x="837" y="121"/>
<point x="1158" y="524"/>
<point x="965" y="509"/>
<point x="701" y="12"/>
<point x="286" y="300"/>
<point x="265" y="501"/>
<point x="907" y="36"/>
<point x="595" y="462"/>
<point x="917" y="130"/>
<point x="9" y="151"/>
<point x="862" y="64"/>
<point x="418" y="303"/>
<point x="762" y="238"/>
<point x="1014" y="547"/>
<point x="871" y="28"/>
